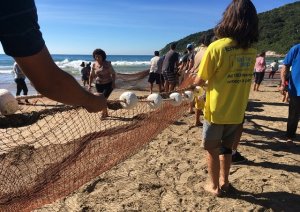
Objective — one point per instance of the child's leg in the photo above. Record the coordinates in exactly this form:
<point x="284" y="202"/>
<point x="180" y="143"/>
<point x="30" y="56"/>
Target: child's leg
<point x="192" y="104"/>
<point x="198" y="113"/>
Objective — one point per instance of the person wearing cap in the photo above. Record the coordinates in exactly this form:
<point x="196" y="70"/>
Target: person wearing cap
<point x="191" y="56"/>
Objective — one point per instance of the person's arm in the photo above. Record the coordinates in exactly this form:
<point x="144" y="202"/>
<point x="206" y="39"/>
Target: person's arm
<point x="54" y="83"/>
<point x="198" y="81"/>
<point x="113" y="74"/>
<point x="91" y="76"/>
<point x="284" y="72"/>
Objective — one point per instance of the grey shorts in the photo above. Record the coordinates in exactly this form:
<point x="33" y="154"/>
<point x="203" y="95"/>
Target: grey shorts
<point x="217" y="135"/>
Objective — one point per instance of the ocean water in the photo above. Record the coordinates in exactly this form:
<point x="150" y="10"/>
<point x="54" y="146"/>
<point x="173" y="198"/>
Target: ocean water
<point x="128" y="64"/>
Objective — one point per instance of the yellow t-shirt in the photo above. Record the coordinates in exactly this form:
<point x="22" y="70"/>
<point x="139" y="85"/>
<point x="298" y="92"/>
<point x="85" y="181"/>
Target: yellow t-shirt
<point x="229" y="72"/>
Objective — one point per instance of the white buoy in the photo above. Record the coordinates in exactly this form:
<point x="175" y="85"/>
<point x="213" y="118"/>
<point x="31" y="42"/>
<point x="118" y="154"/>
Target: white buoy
<point x="188" y="95"/>
<point x="197" y="88"/>
<point x="128" y="100"/>
<point x="175" y="98"/>
<point x="155" y="100"/>
<point x="8" y="103"/>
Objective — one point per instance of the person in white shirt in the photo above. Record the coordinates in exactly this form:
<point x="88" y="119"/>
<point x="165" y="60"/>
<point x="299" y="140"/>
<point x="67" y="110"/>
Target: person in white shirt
<point x="155" y="72"/>
<point x="274" y="67"/>
<point x="20" y="81"/>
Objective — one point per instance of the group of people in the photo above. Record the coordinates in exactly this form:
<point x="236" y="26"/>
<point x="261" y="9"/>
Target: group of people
<point x="169" y="70"/>
<point x="226" y="71"/>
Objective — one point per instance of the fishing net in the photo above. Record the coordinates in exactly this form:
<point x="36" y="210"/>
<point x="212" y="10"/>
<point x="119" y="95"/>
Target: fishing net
<point x="48" y="149"/>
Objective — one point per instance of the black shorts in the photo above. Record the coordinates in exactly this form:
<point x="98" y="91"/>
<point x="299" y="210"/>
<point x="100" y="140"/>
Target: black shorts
<point x="259" y="76"/>
<point x="106" y="89"/>
<point x="85" y="78"/>
<point x="154" y="77"/>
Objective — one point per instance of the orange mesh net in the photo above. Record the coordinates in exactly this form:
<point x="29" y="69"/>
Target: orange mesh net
<point x="48" y="150"/>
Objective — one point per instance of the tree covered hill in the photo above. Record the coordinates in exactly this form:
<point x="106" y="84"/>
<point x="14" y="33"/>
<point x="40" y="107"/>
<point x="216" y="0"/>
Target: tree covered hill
<point x="279" y="29"/>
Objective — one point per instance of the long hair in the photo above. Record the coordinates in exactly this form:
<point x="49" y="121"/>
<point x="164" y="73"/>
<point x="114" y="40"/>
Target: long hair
<point x="239" y="22"/>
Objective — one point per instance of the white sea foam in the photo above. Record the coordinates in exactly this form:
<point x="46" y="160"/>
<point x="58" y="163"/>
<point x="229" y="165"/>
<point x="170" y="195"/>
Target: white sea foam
<point x="6" y="71"/>
<point x="75" y="64"/>
<point x="131" y="63"/>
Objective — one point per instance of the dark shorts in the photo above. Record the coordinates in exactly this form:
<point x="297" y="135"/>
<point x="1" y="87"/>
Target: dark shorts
<point x="170" y="76"/>
<point x="259" y="76"/>
<point x="106" y="89"/>
<point x="19" y="30"/>
<point x="84" y="78"/>
<point x="154" y="77"/>
<point x="217" y="135"/>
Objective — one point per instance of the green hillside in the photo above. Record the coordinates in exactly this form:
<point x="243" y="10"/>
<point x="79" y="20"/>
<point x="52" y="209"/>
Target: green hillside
<point x="279" y="30"/>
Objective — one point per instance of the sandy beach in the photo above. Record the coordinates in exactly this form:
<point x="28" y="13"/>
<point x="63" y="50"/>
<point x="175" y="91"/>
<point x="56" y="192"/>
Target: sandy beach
<point x="169" y="173"/>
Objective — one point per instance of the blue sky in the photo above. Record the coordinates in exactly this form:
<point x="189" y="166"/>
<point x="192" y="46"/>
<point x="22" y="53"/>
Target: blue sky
<point x="128" y="26"/>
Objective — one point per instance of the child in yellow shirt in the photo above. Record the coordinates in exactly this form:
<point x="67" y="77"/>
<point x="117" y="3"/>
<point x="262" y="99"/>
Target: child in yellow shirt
<point x="199" y="98"/>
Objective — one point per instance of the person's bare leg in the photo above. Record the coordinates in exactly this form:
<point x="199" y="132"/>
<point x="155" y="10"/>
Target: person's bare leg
<point x="151" y="87"/>
<point x="238" y="136"/>
<point x="166" y="86"/>
<point x="254" y="88"/>
<point x="286" y="100"/>
<point x="159" y="87"/>
<point x="172" y="87"/>
<point x="213" y="163"/>
<point x="198" y="122"/>
<point x="104" y="113"/>
<point x="192" y="107"/>
<point x="225" y="163"/>
<point x="257" y="88"/>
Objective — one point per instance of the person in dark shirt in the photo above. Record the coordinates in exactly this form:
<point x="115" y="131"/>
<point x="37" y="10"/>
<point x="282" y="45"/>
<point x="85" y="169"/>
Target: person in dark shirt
<point x="20" y="81"/>
<point x="22" y="39"/>
<point x="85" y="73"/>
<point x="169" y="68"/>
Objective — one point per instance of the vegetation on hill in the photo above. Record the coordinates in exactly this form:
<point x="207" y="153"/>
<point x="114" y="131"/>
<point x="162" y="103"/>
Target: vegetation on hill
<point x="279" y="30"/>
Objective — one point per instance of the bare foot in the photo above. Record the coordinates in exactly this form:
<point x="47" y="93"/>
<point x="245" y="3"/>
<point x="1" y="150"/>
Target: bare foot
<point x="215" y="192"/>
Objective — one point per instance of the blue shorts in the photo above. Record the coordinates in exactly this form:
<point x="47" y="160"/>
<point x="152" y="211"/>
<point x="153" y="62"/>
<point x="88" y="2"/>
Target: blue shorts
<point x="19" y="29"/>
<point x="217" y="135"/>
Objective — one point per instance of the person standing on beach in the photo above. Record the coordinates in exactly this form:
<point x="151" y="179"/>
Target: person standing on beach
<point x="274" y="69"/>
<point x="20" y="81"/>
<point x="259" y="68"/>
<point x="169" y="68"/>
<point x="205" y="40"/>
<point x="105" y="76"/>
<point x="85" y="73"/>
<point x="292" y="59"/>
<point x="155" y="72"/>
<point x="227" y="66"/>
<point x="22" y="39"/>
